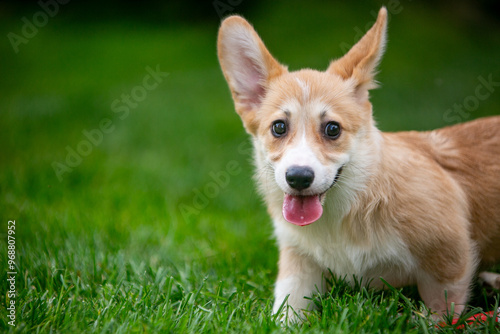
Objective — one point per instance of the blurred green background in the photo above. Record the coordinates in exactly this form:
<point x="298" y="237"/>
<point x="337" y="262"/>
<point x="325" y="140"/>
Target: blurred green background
<point x="167" y="151"/>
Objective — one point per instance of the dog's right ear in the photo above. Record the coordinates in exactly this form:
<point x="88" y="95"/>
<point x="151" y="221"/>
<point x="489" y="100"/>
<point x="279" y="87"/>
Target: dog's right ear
<point x="248" y="67"/>
<point x="361" y="61"/>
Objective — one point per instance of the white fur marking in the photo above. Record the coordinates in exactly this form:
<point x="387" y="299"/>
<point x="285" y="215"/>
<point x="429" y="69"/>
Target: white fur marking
<point x="302" y="155"/>
<point x="305" y="89"/>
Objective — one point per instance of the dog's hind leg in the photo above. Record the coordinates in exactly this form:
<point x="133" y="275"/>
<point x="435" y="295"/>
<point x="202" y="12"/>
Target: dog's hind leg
<point x="492" y="279"/>
<point x="444" y="297"/>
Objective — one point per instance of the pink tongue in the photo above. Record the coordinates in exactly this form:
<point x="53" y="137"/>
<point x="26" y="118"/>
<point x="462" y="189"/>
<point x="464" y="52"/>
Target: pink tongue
<point x="302" y="210"/>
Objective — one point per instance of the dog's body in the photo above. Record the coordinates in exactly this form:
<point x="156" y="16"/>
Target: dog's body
<point x="413" y="207"/>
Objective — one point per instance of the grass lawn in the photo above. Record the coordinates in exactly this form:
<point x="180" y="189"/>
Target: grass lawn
<point x="132" y="193"/>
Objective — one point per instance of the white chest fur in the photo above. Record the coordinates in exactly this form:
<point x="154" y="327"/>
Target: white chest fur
<point x="382" y="255"/>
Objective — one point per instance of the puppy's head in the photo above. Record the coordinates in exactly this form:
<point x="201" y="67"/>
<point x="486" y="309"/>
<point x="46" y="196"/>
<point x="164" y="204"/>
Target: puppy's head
<point x="306" y="125"/>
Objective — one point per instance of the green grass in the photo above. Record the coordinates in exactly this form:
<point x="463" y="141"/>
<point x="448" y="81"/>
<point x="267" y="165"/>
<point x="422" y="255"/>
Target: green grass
<point x="108" y="250"/>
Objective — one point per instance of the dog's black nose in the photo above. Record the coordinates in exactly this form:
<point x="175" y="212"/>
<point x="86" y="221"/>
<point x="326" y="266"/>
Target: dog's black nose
<point x="299" y="177"/>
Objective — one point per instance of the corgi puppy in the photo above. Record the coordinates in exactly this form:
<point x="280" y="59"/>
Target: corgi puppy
<point x="345" y="198"/>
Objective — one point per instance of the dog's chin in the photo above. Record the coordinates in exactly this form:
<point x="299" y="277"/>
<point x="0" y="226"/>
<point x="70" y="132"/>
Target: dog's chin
<point x="305" y="209"/>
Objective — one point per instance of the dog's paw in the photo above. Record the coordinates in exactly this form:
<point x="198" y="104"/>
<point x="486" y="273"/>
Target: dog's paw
<point x="286" y="314"/>
<point x="289" y="316"/>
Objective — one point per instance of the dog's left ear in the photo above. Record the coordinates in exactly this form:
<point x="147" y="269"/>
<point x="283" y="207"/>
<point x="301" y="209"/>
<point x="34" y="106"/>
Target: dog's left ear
<point x="361" y="61"/>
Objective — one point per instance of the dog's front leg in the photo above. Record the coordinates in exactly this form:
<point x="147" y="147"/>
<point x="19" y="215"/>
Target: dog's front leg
<point x="299" y="277"/>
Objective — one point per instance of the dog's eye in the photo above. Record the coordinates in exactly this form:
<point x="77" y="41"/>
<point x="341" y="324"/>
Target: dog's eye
<point x="278" y="129"/>
<point x="332" y="130"/>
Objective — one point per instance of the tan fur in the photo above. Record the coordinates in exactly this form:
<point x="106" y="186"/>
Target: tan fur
<point x="412" y="207"/>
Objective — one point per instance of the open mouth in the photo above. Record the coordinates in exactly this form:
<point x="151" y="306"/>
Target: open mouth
<point x="304" y="210"/>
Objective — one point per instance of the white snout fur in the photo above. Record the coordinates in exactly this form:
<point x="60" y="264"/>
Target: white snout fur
<point x="302" y="154"/>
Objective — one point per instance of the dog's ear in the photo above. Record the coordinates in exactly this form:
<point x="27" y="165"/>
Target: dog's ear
<point x="247" y="65"/>
<point x="362" y="59"/>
